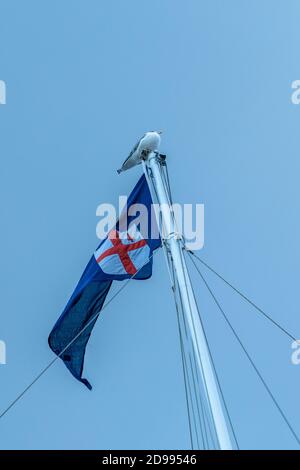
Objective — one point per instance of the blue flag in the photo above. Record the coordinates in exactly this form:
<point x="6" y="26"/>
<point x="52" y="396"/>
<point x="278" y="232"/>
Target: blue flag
<point x="125" y="253"/>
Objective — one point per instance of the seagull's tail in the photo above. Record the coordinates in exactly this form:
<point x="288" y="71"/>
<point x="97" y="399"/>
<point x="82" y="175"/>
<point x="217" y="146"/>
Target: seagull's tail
<point x="119" y="171"/>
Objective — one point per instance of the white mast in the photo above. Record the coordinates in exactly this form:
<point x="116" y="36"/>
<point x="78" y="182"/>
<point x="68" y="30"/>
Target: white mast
<point x="173" y="241"/>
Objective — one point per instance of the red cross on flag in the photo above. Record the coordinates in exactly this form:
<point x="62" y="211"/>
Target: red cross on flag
<point x="123" y="252"/>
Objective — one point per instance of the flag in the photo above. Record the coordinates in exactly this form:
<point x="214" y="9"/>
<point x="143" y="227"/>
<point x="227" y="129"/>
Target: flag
<point x="125" y="253"/>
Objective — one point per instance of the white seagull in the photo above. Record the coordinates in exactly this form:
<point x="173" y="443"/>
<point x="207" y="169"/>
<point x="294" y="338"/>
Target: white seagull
<point x="148" y="143"/>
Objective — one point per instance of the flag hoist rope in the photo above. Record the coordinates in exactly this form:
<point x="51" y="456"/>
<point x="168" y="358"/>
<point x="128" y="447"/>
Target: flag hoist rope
<point x="153" y="166"/>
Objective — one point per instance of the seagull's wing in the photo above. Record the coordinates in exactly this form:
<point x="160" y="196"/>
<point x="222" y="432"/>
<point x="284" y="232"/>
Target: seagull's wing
<point x="134" y="149"/>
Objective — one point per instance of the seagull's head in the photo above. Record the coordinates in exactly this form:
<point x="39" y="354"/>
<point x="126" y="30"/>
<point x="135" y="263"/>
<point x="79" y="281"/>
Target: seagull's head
<point x="156" y="132"/>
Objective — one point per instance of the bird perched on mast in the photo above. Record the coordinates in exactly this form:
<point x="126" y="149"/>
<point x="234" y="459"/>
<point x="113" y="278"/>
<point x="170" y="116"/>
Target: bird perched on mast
<point x="148" y="143"/>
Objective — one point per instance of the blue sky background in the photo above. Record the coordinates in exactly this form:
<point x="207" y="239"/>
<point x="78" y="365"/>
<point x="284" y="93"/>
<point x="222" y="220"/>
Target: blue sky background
<point x="84" y="80"/>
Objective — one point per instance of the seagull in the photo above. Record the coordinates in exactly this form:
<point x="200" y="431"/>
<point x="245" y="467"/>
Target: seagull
<point x="148" y="143"/>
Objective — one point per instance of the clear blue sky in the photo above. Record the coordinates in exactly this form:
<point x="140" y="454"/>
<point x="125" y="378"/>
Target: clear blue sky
<point x="84" y="80"/>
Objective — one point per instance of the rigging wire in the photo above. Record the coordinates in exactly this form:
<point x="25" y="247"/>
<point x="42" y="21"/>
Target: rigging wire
<point x="203" y="389"/>
<point x="249" y="358"/>
<point x="185" y="382"/>
<point x="185" y="353"/>
<point x="205" y="418"/>
<point x="268" y="317"/>
<point x="166" y="183"/>
<point x="213" y="364"/>
<point x="190" y="394"/>
<point x="184" y="367"/>
<point x="187" y="385"/>
<point x="91" y="320"/>
<point x="214" y="368"/>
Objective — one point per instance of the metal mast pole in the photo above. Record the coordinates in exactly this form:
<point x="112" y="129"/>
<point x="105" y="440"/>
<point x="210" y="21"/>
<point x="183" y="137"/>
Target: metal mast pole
<point x="153" y="167"/>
